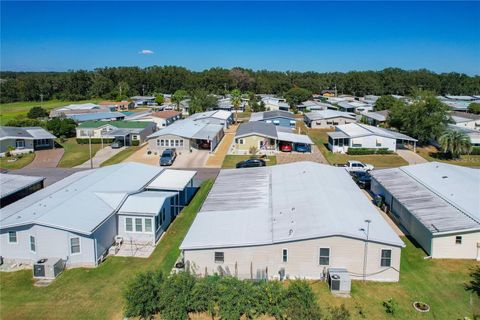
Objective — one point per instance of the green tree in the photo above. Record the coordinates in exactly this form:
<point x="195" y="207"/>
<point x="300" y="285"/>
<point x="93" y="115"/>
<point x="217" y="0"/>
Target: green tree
<point x="236" y="101"/>
<point x="61" y="127"/>
<point x="474" y="108"/>
<point x="296" y="95"/>
<point x="387" y="103"/>
<point x="176" y="296"/>
<point x="301" y="302"/>
<point x="178" y="97"/>
<point x="159" y="99"/>
<point x="455" y="143"/>
<point x="37" y="112"/>
<point x="25" y="123"/>
<point x="205" y="295"/>
<point x="201" y="101"/>
<point x="474" y="284"/>
<point x="142" y="295"/>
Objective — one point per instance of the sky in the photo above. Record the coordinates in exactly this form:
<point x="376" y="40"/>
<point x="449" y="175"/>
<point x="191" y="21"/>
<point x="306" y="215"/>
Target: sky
<point x="298" y="36"/>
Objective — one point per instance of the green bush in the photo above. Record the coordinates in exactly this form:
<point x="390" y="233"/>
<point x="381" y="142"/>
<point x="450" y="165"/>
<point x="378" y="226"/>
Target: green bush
<point x="175" y="297"/>
<point x="135" y="142"/>
<point x="205" y="295"/>
<point x="475" y="151"/>
<point x="366" y="151"/>
<point x="301" y="302"/>
<point x="142" y="295"/>
<point x="37" y="112"/>
<point x="390" y="306"/>
<point x="94" y="140"/>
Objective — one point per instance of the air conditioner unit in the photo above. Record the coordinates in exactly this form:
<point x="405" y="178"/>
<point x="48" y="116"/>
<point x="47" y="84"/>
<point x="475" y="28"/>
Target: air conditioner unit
<point x="48" y="268"/>
<point x="339" y="280"/>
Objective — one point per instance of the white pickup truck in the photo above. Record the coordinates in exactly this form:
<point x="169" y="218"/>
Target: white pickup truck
<point x="355" y="166"/>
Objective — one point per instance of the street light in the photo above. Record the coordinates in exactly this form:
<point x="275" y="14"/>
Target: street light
<point x="365" y="249"/>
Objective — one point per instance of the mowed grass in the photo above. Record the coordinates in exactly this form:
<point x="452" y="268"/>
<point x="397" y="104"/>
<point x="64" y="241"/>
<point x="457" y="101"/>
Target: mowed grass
<point x="430" y="153"/>
<point x="121" y="156"/>
<point x="320" y="138"/>
<point x="93" y="293"/>
<point x="231" y="160"/>
<point x="14" y="110"/>
<point x="17" y="164"/>
<point x="439" y="283"/>
<point x="76" y="154"/>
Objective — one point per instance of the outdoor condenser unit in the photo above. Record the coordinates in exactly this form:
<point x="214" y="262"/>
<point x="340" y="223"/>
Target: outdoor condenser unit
<point x="339" y="280"/>
<point x="48" y="268"/>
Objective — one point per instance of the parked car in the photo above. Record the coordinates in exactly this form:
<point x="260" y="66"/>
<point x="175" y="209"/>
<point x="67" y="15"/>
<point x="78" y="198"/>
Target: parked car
<point x="204" y="144"/>
<point x="168" y="157"/>
<point x="251" y="163"/>
<point x="302" y="147"/>
<point x="117" y="144"/>
<point x="285" y="147"/>
<point x="353" y="166"/>
<point x="362" y="178"/>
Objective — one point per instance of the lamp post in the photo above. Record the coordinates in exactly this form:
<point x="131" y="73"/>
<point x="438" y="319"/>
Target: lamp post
<point x="90" y="148"/>
<point x="365" y="249"/>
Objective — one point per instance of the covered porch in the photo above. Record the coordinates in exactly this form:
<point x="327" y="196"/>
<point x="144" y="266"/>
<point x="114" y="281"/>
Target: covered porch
<point x="338" y="141"/>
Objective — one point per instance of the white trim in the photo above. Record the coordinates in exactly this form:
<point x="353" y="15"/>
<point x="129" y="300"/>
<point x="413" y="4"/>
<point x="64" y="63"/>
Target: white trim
<point x="79" y="246"/>
<point x="34" y="243"/>
<point x="125" y="224"/>
<point x="16" y="237"/>
<point x="381" y="257"/>
<point x="329" y="256"/>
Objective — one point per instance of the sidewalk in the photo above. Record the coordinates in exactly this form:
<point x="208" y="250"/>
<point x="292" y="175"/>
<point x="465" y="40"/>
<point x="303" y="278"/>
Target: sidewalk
<point x="410" y="156"/>
<point x="215" y="160"/>
<point x="101" y="156"/>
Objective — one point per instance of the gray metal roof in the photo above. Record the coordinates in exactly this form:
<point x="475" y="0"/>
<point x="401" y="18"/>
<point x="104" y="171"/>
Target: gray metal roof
<point x="328" y="114"/>
<point x="377" y="115"/>
<point x="266" y="115"/>
<point x="11" y="183"/>
<point x="283" y="203"/>
<point x="262" y="128"/>
<point x="96" y="116"/>
<point x="355" y="130"/>
<point x="443" y="197"/>
<point x="189" y="129"/>
<point x="24" y="133"/>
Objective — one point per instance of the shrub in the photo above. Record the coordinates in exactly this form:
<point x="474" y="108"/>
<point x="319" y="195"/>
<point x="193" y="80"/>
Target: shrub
<point x="475" y="151"/>
<point x="37" y="112"/>
<point x="274" y="299"/>
<point x="94" y="140"/>
<point x="61" y="127"/>
<point x="142" y="295"/>
<point x="339" y="313"/>
<point x="301" y="303"/>
<point x="135" y="142"/>
<point x="24" y="123"/>
<point x="205" y="295"/>
<point x="390" y="306"/>
<point x="366" y="151"/>
<point x="236" y="299"/>
<point x="175" y="297"/>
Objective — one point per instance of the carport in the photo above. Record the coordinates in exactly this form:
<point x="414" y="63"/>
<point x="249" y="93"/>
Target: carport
<point x="119" y="134"/>
<point x="211" y="133"/>
<point x="294" y="139"/>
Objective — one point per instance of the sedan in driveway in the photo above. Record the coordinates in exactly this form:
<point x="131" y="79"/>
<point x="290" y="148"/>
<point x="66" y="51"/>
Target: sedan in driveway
<point x="251" y="163"/>
<point x="168" y="157"/>
<point x="302" y="147"/>
<point x="116" y="144"/>
<point x="362" y="178"/>
<point x="285" y="147"/>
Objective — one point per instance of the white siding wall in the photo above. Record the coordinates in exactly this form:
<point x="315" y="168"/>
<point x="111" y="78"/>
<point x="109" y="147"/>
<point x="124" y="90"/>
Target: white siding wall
<point x="330" y="123"/>
<point x="134" y="236"/>
<point x="445" y="247"/>
<point x="303" y="259"/>
<point x="105" y="235"/>
<point x="155" y="147"/>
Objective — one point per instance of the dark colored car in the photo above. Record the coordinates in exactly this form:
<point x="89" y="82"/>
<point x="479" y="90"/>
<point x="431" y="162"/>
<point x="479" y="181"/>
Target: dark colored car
<point x="285" y="147"/>
<point x="251" y="163"/>
<point x="302" y="147"/>
<point x="117" y="144"/>
<point x="362" y="178"/>
<point x="168" y="157"/>
<point x="204" y="144"/>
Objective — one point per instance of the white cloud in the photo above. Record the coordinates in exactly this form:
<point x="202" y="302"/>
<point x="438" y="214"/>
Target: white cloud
<point x="146" y="51"/>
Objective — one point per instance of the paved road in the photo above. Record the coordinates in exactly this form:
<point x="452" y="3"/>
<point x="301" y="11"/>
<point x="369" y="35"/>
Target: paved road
<point x="410" y="156"/>
<point x="51" y="175"/>
<point x="46" y="158"/>
<point x="101" y="156"/>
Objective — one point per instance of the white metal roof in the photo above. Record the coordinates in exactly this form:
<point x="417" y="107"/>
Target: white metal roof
<point x="354" y="130"/>
<point x="172" y="179"/>
<point x="293" y="137"/>
<point x="283" y="203"/>
<point x="444" y="197"/>
<point x="11" y="183"/>
<point x="189" y="129"/>
<point x="146" y="202"/>
<point x="328" y="114"/>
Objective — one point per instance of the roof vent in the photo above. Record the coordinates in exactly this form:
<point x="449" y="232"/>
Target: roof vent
<point x="293" y="208"/>
<point x="444" y="177"/>
<point x="19" y="217"/>
<point x="290" y="232"/>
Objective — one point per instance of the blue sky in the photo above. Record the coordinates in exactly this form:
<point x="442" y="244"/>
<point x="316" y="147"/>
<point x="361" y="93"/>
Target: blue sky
<point x="317" y="36"/>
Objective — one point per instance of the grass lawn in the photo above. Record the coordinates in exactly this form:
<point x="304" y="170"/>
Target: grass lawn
<point x="92" y="293"/>
<point x="231" y="160"/>
<point x="19" y="163"/>
<point x="320" y="138"/>
<point x="76" y="154"/>
<point x="430" y="153"/>
<point x="14" y="110"/>
<point x="119" y="157"/>
<point x="438" y="283"/>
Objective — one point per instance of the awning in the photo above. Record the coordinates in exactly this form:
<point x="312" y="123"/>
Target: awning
<point x="338" y="135"/>
<point x="171" y="179"/>
<point x="293" y="137"/>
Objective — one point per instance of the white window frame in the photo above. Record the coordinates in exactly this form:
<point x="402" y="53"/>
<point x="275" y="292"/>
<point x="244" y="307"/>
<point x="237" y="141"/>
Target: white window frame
<point x="19" y="145"/>
<point x="284" y="250"/>
<point x="381" y="257"/>
<point x="79" y="246"/>
<point x="34" y="244"/>
<point x="320" y="256"/>
<point x="16" y="237"/>
<point x="131" y="219"/>
<point x="135" y="225"/>
<point x="145" y="225"/>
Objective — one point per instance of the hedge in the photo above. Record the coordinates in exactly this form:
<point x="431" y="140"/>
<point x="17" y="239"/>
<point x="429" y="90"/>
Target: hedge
<point x="95" y="141"/>
<point x="135" y="142"/>
<point x="365" y="151"/>
<point x="475" y="151"/>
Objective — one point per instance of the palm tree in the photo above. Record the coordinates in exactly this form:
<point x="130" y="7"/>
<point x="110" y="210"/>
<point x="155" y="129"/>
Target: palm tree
<point x="178" y="97"/>
<point x="455" y="142"/>
<point x="236" y="101"/>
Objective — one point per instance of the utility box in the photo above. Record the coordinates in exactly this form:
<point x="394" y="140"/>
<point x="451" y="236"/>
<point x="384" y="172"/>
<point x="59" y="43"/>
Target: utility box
<point x="339" y="280"/>
<point x="48" y="268"/>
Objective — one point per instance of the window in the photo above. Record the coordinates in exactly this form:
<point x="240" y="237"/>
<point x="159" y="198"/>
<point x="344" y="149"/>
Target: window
<point x="33" y="247"/>
<point x="458" y="240"/>
<point x="284" y="255"/>
<point x="157" y="222"/>
<point x="12" y="236"/>
<point x="324" y="256"/>
<point x="74" y="245"/>
<point x="181" y="143"/>
<point x="128" y="224"/>
<point x="138" y="225"/>
<point x="240" y="141"/>
<point x="219" y="257"/>
<point x="166" y="143"/>
<point x="20" y="144"/>
<point x="148" y="225"/>
<point x="162" y="143"/>
<point x="386" y="260"/>
<point x="177" y="143"/>
<point x="172" y="143"/>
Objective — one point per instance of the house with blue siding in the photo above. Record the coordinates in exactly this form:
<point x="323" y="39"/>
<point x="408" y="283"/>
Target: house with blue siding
<point x="118" y="209"/>
<point x="278" y="118"/>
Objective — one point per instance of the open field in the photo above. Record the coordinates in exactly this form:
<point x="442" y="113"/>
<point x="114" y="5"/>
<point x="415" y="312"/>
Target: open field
<point x="14" y="110"/>
<point x="320" y="138"/>
<point x="76" y="154"/>
<point x="429" y="153"/>
<point x="19" y="163"/>
<point x="93" y="293"/>
<point x="121" y="156"/>
<point x="231" y="160"/>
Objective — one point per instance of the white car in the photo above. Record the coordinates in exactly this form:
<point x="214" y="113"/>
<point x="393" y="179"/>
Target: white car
<point x="355" y="166"/>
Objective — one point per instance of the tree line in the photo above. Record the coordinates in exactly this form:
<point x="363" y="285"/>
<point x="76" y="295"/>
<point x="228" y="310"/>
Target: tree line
<point x="123" y="82"/>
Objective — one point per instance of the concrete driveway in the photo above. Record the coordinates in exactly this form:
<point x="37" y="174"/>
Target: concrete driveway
<point x="215" y="160"/>
<point x="410" y="156"/>
<point x="101" y="155"/>
<point x="314" y="156"/>
<point x="46" y="158"/>
<point x="194" y="159"/>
